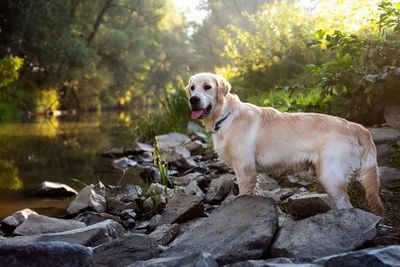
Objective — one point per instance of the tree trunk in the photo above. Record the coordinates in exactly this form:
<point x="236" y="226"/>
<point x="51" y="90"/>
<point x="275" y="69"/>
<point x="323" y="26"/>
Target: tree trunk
<point x="107" y="5"/>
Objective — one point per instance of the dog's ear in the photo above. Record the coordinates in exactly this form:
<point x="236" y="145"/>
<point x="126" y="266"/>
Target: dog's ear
<point x="223" y="87"/>
<point x="187" y="88"/>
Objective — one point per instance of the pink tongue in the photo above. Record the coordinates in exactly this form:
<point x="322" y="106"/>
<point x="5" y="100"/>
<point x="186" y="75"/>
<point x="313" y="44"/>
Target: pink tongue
<point x="196" y="114"/>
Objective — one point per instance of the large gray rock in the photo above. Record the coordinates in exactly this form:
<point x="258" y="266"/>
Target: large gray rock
<point x="196" y="147"/>
<point x="165" y="233"/>
<point x="199" y="136"/>
<point x="142" y="147"/>
<point x="305" y="205"/>
<point x="38" y="224"/>
<point x="220" y="188"/>
<point x="123" y="163"/>
<point x="125" y="250"/>
<point x="201" y="259"/>
<point x="91" y="217"/>
<point x="202" y="181"/>
<point x="384" y="153"/>
<point x="90" y="236"/>
<point x="47" y="254"/>
<point x="384" y="135"/>
<point x="193" y="189"/>
<point x="115" y="206"/>
<point x="51" y="189"/>
<point x="181" y="157"/>
<point x="240" y="230"/>
<point x="91" y="197"/>
<point x="376" y="257"/>
<point x="168" y="141"/>
<point x="180" y="208"/>
<point x="325" y="234"/>
<point x="278" y="262"/>
<point x="9" y="223"/>
<point x="388" y="176"/>
<point x="392" y="116"/>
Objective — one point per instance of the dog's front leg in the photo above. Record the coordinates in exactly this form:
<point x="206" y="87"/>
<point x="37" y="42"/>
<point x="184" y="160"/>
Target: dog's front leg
<point x="246" y="178"/>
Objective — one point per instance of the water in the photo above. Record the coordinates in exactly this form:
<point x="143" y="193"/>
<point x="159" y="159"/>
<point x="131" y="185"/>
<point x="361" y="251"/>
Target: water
<point x="58" y="149"/>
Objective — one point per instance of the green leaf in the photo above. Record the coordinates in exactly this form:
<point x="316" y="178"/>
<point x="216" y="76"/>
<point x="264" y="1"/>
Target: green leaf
<point x="319" y="34"/>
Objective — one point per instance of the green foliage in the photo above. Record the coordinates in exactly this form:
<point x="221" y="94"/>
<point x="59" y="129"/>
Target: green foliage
<point x="395" y="160"/>
<point x="9" y="70"/>
<point x="363" y="77"/>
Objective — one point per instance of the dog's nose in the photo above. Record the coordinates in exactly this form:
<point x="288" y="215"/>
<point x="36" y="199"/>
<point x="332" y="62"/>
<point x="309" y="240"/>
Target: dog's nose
<point x="194" y="100"/>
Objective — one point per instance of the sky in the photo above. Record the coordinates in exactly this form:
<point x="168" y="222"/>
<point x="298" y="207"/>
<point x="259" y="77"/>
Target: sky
<point x="189" y="7"/>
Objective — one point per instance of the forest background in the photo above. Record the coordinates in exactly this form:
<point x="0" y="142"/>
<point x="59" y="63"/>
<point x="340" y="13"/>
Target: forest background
<point x="338" y="57"/>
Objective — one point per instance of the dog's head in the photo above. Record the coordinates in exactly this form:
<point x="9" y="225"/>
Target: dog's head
<point x="206" y="93"/>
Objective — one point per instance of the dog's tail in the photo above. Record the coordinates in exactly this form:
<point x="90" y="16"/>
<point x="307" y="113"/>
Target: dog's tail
<point x="369" y="172"/>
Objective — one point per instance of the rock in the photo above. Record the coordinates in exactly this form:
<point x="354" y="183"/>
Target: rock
<point x="193" y="189"/>
<point x="46" y="254"/>
<point x="150" y="174"/>
<point x="325" y="234"/>
<point x="142" y="147"/>
<point x="115" y="206"/>
<point x="193" y="127"/>
<point x="199" y="136"/>
<point x="220" y="166"/>
<point x="165" y="233"/>
<point x="129" y="217"/>
<point x="277" y="262"/>
<point x="392" y="116"/>
<point x="180" y="208"/>
<point x="38" y="224"/>
<point x="191" y="224"/>
<point x="171" y="140"/>
<point x="123" y="163"/>
<point x="200" y="259"/>
<point x="9" y="223"/>
<point x="219" y="188"/>
<point x="305" y="205"/>
<point x="202" y="181"/>
<point x="240" y="230"/>
<point x="159" y="189"/>
<point x="384" y="135"/>
<point x="180" y="157"/>
<point x="264" y="182"/>
<point x="115" y="152"/>
<point x="283" y="193"/>
<point x="388" y="176"/>
<point x="90" y="236"/>
<point x="90" y="217"/>
<point x="384" y="154"/>
<point x="377" y="257"/>
<point x="125" y="250"/>
<point x="196" y="147"/>
<point x="91" y="197"/>
<point x="50" y="189"/>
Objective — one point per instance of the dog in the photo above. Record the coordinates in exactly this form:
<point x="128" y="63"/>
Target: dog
<point x="262" y="139"/>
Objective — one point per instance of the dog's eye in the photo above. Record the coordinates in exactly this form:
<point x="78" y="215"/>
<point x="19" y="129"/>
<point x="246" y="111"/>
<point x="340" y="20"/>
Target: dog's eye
<point x="192" y="87"/>
<point x="206" y="87"/>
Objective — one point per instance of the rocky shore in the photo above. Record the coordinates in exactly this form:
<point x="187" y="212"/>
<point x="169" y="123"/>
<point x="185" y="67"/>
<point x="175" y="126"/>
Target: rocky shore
<point x="190" y="215"/>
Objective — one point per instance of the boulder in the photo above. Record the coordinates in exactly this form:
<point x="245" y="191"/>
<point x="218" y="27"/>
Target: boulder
<point x="180" y="157"/>
<point x="51" y="189"/>
<point x="38" y="224"/>
<point x="219" y="188"/>
<point x="171" y="140"/>
<point x="142" y="147"/>
<point x="278" y="262"/>
<point x="325" y="234"/>
<point x="115" y="206"/>
<point x="123" y="163"/>
<point x="91" y="197"/>
<point x="180" y="208"/>
<point x="196" y="147"/>
<point x="91" y="217"/>
<point x="46" y="254"/>
<point x="9" y="223"/>
<point x="388" y="176"/>
<point x="392" y="116"/>
<point x="193" y="127"/>
<point x="193" y="189"/>
<point x="90" y="236"/>
<point x="240" y="230"/>
<point x="125" y="250"/>
<point x="165" y="233"/>
<point x="377" y="257"/>
<point x="384" y="135"/>
<point x="384" y="154"/>
<point x="220" y="166"/>
<point x="199" y="136"/>
<point x="202" y="181"/>
<point x="200" y="259"/>
<point x="305" y="205"/>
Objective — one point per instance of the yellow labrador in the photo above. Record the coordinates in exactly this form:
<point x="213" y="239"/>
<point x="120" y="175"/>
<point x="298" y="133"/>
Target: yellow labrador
<point x="254" y="139"/>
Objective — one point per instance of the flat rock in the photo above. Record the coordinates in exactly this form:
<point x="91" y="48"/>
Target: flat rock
<point x="196" y="147"/>
<point x="38" y="224"/>
<point x="180" y="157"/>
<point x="139" y="147"/>
<point x="376" y="257"/>
<point x="51" y="189"/>
<point x="90" y="236"/>
<point x="325" y="234"/>
<point x="201" y="259"/>
<point x="305" y="205"/>
<point x="199" y="136"/>
<point x="240" y="230"/>
<point x="11" y="222"/>
<point x="91" y="197"/>
<point x="219" y="188"/>
<point x="125" y="250"/>
<point x="123" y="163"/>
<point x="46" y="254"/>
<point x="202" y="181"/>
<point x="384" y="153"/>
<point x="91" y="217"/>
<point x="220" y="166"/>
<point x="165" y="233"/>
<point x="115" y="206"/>
<point x="384" y="135"/>
<point x="193" y="189"/>
<point x="278" y="262"/>
<point x="180" y="208"/>
<point x="388" y="176"/>
<point x="392" y="116"/>
<point x="168" y="141"/>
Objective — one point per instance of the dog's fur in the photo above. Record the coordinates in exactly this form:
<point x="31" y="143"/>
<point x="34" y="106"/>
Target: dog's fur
<point x="254" y="139"/>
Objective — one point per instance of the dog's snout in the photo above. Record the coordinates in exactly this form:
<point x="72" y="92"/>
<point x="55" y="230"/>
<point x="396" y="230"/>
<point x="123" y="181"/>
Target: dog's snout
<point x="194" y="100"/>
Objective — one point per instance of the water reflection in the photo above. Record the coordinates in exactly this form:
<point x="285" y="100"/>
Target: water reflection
<point x="58" y="149"/>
